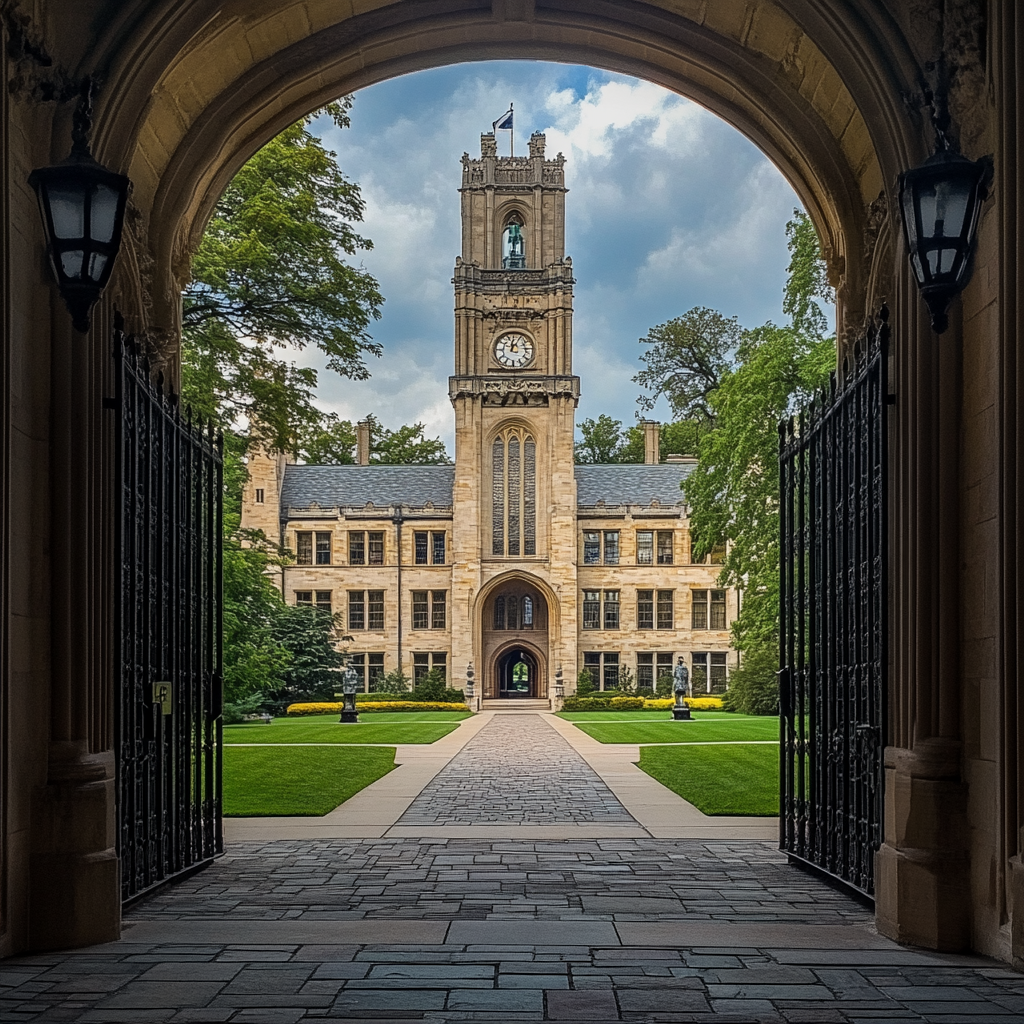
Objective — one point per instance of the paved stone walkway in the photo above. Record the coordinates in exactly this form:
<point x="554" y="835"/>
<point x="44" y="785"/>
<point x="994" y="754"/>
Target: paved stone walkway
<point x="420" y="929"/>
<point x="516" y="770"/>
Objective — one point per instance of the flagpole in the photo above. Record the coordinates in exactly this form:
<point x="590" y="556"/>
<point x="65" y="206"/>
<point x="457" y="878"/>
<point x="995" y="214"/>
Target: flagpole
<point x="512" y="134"/>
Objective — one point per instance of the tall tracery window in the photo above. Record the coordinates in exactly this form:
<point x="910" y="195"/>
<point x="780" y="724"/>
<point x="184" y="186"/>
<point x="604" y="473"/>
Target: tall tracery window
<point x="514" y="494"/>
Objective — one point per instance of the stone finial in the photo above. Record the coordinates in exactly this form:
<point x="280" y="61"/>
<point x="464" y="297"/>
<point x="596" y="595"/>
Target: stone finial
<point x="537" y="141"/>
<point x="488" y="144"/>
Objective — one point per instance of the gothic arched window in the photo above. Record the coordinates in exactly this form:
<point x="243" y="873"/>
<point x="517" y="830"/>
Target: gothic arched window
<point x="514" y="494"/>
<point x="527" y="612"/>
<point x="513" y="612"/>
<point x="499" y="613"/>
<point x="513" y="244"/>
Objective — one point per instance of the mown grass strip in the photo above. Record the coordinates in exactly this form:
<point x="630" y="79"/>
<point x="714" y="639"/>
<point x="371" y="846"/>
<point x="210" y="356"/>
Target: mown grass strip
<point x="298" y="781"/>
<point x="734" y="779"/>
<point x="716" y="727"/>
<point x="396" y="728"/>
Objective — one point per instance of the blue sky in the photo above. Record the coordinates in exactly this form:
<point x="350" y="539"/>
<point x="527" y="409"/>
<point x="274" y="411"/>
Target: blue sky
<point x="668" y="208"/>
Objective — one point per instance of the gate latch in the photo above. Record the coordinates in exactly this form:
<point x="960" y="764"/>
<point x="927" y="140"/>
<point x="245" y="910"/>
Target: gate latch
<point x="162" y="696"/>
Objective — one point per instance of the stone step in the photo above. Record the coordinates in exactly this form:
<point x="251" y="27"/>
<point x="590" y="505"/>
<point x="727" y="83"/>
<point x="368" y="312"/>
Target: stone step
<point x="516" y="704"/>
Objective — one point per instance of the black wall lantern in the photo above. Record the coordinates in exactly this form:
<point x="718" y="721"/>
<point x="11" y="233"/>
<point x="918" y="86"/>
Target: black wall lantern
<point x="82" y="205"/>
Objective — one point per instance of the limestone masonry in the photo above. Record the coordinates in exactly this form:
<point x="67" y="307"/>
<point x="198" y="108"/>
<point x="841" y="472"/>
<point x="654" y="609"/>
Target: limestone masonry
<point x="514" y="560"/>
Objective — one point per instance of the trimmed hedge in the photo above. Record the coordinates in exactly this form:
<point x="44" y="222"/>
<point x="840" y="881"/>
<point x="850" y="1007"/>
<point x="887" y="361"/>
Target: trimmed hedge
<point x="639" y="703"/>
<point x="603" y="704"/>
<point x="334" y="707"/>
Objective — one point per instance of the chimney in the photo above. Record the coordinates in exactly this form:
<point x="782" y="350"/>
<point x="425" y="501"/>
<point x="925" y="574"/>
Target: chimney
<point x="652" y="442"/>
<point x="363" y="442"/>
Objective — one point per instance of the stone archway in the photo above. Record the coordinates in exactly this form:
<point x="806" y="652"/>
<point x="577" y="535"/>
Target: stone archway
<point x="515" y="617"/>
<point x="834" y="93"/>
<point x="519" y="674"/>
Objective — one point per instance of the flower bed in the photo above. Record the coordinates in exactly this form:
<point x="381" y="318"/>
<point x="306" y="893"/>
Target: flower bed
<point x="694" y="703"/>
<point x="599" y="703"/>
<point x="334" y="707"/>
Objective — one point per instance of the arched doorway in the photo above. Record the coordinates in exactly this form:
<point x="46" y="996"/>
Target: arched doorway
<point x="518" y="674"/>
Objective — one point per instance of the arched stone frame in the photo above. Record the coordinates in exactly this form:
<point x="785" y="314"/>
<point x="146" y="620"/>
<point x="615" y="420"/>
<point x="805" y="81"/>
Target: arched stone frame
<point x="554" y="616"/>
<point x="505" y="213"/>
<point x="543" y="667"/>
<point x="526" y="431"/>
<point x="833" y="94"/>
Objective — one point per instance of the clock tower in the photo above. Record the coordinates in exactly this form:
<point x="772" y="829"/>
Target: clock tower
<point x="515" y="395"/>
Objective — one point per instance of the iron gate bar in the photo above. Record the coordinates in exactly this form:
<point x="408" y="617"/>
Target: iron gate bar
<point x="168" y="618"/>
<point x="832" y="619"/>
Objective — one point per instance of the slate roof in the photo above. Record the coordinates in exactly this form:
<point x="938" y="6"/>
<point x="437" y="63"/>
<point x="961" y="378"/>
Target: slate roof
<point x="631" y="484"/>
<point x="356" y="486"/>
<point x="415" y="486"/>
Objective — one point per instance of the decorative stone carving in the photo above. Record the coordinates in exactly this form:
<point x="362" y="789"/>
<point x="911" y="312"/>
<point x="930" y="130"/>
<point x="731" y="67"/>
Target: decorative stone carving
<point x="514" y="390"/>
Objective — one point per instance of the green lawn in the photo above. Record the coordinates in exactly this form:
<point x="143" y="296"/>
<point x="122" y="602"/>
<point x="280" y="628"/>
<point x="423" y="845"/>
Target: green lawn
<point x="741" y="780"/>
<point x="706" y="726"/>
<point x="385" y="727"/>
<point x="308" y="781"/>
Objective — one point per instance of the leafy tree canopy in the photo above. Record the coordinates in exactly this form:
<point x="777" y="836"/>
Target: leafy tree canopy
<point x="604" y="440"/>
<point x="333" y="441"/>
<point x="686" y="360"/>
<point x="309" y="635"/>
<point x="271" y="276"/>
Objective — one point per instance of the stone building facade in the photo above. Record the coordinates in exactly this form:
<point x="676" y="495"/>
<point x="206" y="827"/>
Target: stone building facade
<point x="513" y="556"/>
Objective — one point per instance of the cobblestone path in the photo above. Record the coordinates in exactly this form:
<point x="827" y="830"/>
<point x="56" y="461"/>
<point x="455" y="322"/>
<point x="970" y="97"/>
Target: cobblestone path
<point x="516" y="770"/>
<point x="636" y="930"/>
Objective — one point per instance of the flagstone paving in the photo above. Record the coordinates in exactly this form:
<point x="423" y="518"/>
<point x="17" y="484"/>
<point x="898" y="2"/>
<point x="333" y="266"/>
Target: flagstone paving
<point x="516" y="770"/>
<point x="435" y="930"/>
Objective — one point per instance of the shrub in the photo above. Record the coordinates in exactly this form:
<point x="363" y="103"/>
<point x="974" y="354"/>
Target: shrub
<point x="334" y="707"/>
<point x="627" y="681"/>
<point x="754" y="686"/>
<point x="236" y="712"/>
<point x="394" y="682"/>
<point x="603" y="703"/>
<point x="585" y="684"/>
<point x="663" y="687"/>
<point x="433" y="687"/>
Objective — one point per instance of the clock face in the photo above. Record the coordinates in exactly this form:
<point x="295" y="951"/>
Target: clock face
<point x="513" y="350"/>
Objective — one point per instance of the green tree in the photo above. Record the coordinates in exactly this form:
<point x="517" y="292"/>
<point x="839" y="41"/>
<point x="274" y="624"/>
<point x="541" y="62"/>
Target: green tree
<point x="310" y="637"/>
<point x="686" y="360"/>
<point x="333" y="441"/>
<point x="602" y="441"/>
<point x="733" y="493"/>
<point x="271" y="276"/>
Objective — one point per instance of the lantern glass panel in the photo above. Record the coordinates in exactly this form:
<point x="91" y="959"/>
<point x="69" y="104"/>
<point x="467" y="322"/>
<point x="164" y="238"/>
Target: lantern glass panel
<point x="97" y="264"/>
<point x="68" y="212"/>
<point x="104" y="213"/>
<point x="71" y="263"/>
<point x="944" y="207"/>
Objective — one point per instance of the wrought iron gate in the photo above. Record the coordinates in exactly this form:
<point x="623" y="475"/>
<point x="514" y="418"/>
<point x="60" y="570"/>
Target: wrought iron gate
<point x="832" y="474"/>
<point x="169" y="632"/>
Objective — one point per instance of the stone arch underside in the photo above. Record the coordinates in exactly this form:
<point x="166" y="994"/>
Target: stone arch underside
<point x="195" y="103"/>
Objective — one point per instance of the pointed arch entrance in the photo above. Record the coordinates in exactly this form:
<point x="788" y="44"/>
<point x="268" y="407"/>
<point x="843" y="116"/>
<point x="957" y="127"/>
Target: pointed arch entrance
<point x="515" y="641"/>
<point x="517" y="674"/>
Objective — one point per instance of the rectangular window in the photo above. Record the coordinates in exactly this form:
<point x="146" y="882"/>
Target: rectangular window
<point x="419" y="609"/>
<point x="719" y="678"/>
<point x="664" y="547"/>
<point x="323" y="549"/>
<point x="376" y="546"/>
<point x="357" y="548"/>
<point x="591" y="547"/>
<point x="666" y="618"/>
<point x="699" y="680"/>
<point x="644" y="547"/>
<point x="303" y="597"/>
<point x="645" y="671"/>
<point x="610" y="678"/>
<point x="304" y="548"/>
<point x="591" y="609"/>
<point x="375" y="667"/>
<point x="323" y="601"/>
<point x="611" y="609"/>
<point x="611" y="547"/>
<point x="420" y="666"/>
<point x="592" y="663"/>
<point x="358" y="663"/>
<point x="718" y="609"/>
<point x="439" y="554"/>
<point x="645" y="609"/>
<point x="664" y="665"/>
<point x="438" y="606"/>
<point x="439" y="662"/>
<point x="259" y="495"/>
<point x="375" y="609"/>
<point x="699" y="619"/>
<point x="421" y="548"/>
<point x="356" y="610"/>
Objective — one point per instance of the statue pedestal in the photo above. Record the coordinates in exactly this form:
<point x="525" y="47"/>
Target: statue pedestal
<point x="681" y="713"/>
<point x="348" y="708"/>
